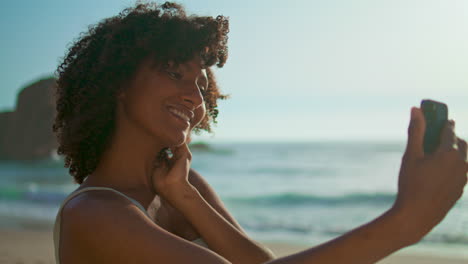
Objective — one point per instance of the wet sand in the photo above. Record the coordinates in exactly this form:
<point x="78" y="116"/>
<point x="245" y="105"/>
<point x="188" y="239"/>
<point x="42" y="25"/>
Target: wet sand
<point x="281" y="249"/>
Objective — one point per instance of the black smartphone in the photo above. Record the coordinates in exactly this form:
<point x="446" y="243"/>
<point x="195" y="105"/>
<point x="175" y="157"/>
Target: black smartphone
<point x="436" y="116"/>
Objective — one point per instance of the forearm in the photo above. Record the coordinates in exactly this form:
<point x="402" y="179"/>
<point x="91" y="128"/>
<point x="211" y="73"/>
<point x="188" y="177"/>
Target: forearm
<point x="366" y="244"/>
<point x="220" y="235"/>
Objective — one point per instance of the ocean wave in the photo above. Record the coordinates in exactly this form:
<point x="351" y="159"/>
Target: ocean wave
<point x="294" y="199"/>
<point x="265" y="226"/>
<point x="445" y="238"/>
<point x="292" y="171"/>
<point x="34" y="196"/>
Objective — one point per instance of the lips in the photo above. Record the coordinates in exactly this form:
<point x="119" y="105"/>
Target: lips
<point x="181" y="113"/>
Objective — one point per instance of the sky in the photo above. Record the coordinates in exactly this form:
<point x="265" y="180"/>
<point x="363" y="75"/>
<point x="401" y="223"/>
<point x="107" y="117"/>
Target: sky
<point x="298" y="70"/>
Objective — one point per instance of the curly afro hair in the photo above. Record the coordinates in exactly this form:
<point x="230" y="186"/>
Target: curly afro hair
<point x="103" y="60"/>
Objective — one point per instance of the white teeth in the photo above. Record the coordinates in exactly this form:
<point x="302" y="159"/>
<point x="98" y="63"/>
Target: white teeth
<point x="180" y="114"/>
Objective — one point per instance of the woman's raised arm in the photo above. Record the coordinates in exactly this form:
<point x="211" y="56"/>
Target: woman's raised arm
<point x="428" y="187"/>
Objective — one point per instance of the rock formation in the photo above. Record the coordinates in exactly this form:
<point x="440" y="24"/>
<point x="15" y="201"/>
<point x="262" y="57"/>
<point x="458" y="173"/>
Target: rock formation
<point x="26" y="133"/>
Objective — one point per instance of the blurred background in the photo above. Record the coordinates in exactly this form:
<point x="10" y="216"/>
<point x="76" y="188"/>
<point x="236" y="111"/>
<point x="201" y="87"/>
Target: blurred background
<point x="309" y="144"/>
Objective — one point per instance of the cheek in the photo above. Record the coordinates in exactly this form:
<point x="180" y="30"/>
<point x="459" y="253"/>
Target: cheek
<point x="200" y="113"/>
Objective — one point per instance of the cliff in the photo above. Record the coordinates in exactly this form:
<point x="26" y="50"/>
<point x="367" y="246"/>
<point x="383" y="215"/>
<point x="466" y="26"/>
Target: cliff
<point x="26" y="132"/>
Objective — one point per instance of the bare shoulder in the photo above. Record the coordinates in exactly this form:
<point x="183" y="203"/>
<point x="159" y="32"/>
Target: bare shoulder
<point x="87" y="222"/>
<point x="210" y="195"/>
<point x="107" y="228"/>
<point x="197" y="180"/>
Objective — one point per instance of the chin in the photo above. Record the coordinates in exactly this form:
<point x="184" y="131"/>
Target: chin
<point x="178" y="140"/>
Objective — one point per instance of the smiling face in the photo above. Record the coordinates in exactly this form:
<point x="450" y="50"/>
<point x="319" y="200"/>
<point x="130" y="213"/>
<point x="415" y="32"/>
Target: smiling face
<point x="166" y="103"/>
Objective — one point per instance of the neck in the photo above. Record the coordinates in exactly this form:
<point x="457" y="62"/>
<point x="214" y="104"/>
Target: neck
<point x="128" y="163"/>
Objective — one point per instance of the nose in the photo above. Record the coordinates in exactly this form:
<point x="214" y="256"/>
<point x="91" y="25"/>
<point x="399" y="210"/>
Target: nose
<point x="192" y="95"/>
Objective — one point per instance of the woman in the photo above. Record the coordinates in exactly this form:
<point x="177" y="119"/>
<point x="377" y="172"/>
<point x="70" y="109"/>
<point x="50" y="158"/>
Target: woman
<point x="130" y="92"/>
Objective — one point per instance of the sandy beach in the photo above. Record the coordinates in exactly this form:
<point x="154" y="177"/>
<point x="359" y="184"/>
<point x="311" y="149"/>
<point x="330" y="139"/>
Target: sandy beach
<point x="36" y="247"/>
<point x="398" y="258"/>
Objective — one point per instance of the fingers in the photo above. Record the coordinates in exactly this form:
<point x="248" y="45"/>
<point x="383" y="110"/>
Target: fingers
<point x="462" y="148"/>
<point x="173" y="155"/>
<point x="448" y="140"/>
<point x="416" y="129"/>
<point x="182" y="152"/>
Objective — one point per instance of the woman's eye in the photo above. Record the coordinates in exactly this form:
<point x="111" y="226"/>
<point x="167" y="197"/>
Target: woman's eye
<point x="174" y="75"/>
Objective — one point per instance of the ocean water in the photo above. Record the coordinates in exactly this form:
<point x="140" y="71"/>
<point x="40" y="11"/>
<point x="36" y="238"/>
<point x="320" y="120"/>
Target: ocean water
<point x="302" y="193"/>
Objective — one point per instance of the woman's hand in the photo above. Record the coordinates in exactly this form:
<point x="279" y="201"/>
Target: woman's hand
<point x="430" y="184"/>
<point x="170" y="178"/>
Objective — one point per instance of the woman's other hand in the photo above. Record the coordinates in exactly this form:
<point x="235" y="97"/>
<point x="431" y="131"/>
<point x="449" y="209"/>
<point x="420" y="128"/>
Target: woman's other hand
<point x="170" y="178"/>
<point x="430" y="184"/>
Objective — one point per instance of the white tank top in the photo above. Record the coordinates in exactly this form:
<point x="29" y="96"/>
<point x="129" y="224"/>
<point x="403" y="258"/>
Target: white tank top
<point x="198" y="241"/>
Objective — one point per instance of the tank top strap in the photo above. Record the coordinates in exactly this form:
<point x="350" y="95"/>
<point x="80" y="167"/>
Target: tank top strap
<point x="106" y="188"/>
